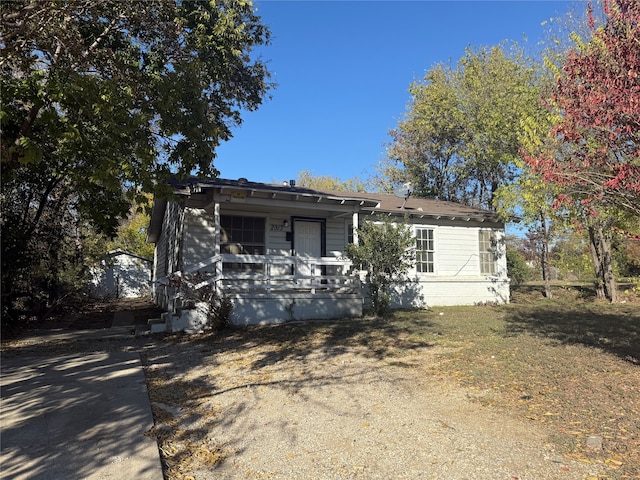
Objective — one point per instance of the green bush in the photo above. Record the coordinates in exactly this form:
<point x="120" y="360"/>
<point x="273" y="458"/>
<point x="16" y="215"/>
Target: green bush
<point x="517" y="267"/>
<point x="385" y="251"/>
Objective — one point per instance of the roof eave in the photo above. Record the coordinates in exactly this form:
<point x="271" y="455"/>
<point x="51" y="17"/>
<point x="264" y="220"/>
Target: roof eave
<point x="435" y="216"/>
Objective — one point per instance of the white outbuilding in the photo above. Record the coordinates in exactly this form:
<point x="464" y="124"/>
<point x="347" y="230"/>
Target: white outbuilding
<point x="122" y="274"/>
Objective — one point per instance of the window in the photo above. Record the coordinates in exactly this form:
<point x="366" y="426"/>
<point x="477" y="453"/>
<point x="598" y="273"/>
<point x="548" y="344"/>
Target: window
<point x="242" y="236"/>
<point x="488" y="244"/>
<point x="425" y="250"/>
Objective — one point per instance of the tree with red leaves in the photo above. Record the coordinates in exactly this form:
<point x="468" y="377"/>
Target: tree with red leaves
<point x="597" y="164"/>
<point x="598" y="96"/>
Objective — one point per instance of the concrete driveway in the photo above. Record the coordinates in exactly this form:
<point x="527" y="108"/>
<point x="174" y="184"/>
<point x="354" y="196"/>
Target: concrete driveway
<point x="78" y="416"/>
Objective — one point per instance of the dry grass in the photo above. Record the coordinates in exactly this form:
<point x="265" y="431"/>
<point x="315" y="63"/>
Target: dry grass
<point x="574" y="368"/>
<point x="570" y="363"/>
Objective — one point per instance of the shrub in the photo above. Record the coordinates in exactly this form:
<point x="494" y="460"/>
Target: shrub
<point x="192" y="290"/>
<point x="385" y="252"/>
<point x="220" y="311"/>
<point x="517" y="267"/>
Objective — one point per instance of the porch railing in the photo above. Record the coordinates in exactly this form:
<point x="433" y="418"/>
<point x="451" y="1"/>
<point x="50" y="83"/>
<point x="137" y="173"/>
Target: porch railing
<point x="271" y="275"/>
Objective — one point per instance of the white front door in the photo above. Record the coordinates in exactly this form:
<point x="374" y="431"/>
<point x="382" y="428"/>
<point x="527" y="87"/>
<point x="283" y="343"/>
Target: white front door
<point x="308" y="243"/>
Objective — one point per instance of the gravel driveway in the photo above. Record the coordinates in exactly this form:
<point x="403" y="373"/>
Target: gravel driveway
<point x="289" y="412"/>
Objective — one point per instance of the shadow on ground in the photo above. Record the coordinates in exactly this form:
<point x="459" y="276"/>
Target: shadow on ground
<point x="75" y="417"/>
<point x="615" y="330"/>
<point x="373" y="337"/>
<point x="188" y="376"/>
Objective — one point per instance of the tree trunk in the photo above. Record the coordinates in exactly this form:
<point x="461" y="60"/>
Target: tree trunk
<point x="605" y="282"/>
<point x="610" y="286"/>
<point x="544" y="256"/>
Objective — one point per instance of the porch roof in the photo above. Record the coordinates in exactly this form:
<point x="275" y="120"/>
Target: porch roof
<point x="203" y="193"/>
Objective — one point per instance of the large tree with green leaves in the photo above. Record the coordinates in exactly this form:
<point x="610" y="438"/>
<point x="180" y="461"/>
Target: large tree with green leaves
<point x="103" y="99"/>
<point x="459" y="139"/>
<point x="132" y="235"/>
<point x="426" y="144"/>
<point x="325" y="182"/>
<point x="528" y="197"/>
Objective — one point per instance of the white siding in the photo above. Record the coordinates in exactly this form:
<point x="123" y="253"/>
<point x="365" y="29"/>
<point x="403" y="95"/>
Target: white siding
<point x="456" y="279"/>
<point x="457" y="251"/>
<point x="277" y="243"/>
<point x="440" y="291"/>
<point x="335" y="237"/>
<point x="199" y="236"/>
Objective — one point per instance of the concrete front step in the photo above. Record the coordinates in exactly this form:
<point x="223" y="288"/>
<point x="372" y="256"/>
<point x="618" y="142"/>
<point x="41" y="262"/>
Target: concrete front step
<point x="157" y="325"/>
<point x="191" y="321"/>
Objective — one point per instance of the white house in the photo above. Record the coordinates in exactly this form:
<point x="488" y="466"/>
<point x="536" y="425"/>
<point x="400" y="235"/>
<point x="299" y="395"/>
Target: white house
<point x="122" y="274"/>
<point x="278" y="250"/>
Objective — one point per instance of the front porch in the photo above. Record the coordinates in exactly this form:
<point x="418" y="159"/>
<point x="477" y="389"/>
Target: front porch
<point x="276" y="251"/>
<point x="265" y="288"/>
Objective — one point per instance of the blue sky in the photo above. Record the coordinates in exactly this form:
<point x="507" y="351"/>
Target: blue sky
<point x="342" y="70"/>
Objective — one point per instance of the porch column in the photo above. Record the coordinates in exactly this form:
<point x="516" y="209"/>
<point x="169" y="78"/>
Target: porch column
<point x="355" y="228"/>
<point x="216" y="241"/>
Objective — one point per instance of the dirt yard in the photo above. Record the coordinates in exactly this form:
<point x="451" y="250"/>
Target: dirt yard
<point x="312" y="410"/>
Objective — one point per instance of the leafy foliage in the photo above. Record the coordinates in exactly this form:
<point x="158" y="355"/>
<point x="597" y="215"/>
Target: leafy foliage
<point x="101" y="101"/>
<point x="117" y="95"/>
<point x="384" y="251"/>
<point x="598" y="95"/>
<point x="519" y="271"/>
<point x="458" y="141"/>
<point x="570" y="255"/>
<point x="595" y="166"/>
<point x="220" y="317"/>
<point x="196" y="292"/>
<point x="628" y="257"/>
<point x="324" y="182"/>
<point x="132" y="235"/>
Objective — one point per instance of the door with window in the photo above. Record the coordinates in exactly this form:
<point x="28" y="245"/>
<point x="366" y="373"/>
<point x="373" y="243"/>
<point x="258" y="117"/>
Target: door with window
<point x="307" y="241"/>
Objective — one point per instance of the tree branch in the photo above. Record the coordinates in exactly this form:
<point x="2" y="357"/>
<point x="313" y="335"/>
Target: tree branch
<point x="44" y="200"/>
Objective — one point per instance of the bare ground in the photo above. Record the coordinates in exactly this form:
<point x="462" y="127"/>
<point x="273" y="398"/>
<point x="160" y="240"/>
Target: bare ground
<point x="250" y="406"/>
